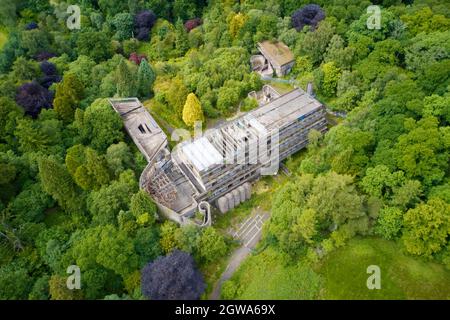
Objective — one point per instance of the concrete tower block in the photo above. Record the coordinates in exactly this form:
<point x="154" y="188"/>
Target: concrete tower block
<point x="236" y="196"/>
<point x="222" y="204"/>
<point x="248" y="190"/>
<point x="241" y="190"/>
<point x="230" y="200"/>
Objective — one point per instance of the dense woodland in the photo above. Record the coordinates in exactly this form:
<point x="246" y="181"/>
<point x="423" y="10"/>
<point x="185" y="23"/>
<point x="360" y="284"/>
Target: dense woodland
<point x="69" y="174"/>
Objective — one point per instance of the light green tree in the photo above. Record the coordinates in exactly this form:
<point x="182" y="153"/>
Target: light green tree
<point x="427" y="227"/>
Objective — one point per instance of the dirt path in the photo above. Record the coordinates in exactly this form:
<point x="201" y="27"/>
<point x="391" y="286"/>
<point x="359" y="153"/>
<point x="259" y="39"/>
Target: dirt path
<point x="249" y="234"/>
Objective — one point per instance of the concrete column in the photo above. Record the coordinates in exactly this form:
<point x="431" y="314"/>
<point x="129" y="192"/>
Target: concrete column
<point x="241" y="190"/>
<point x="248" y="190"/>
<point x="236" y="196"/>
<point x="230" y="200"/>
<point x="222" y="204"/>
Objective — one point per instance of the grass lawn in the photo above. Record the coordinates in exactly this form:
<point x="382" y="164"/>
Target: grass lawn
<point x="264" y="276"/>
<point x="402" y="276"/>
<point x="282" y="88"/>
<point x="3" y="37"/>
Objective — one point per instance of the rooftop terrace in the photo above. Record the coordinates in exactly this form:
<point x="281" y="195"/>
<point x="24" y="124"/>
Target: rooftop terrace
<point x="143" y="129"/>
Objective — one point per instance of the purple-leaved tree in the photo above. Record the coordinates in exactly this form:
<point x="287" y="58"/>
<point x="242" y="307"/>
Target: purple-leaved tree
<point x="33" y="97"/>
<point x="310" y="15"/>
<point x="172" y="277"/>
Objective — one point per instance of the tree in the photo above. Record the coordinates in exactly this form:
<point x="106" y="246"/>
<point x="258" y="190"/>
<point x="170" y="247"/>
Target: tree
<point x="168" y="240"/>
<point x="314" y="206"/>
<point x="315" y="43"/>
<point x="88" y="169"/>
<point x="33" y="98"/>
<point x="181" y="38"/>
<point x="389" y="222"/>
<point x="24" y="70"/>
<point x="331" y="75"/>
<point x="57" y="182"/>
<point x="59" y="291"/>
<point x="9" y="111"/>
<point x="422" y="152"/>
<point x="236" y="23"/>
<point x="8" y="12"/>
<point x="426" y="227"/>
<point x="116" y="251"/>
<point x="143" y="23"/>
<point x="379" y="181"/>
<point x="123" y="23"/>
<point x="105" y="204"/>
<point x="30" y="204"/>
<point x="40" y="290"/>
<point x="146" y="244"/>
<point x="146" y="78"/>
<point x="126" y="81"/>
<point x="96" y="45"/>
<point x="36" y="41"/>
<point x="173" y="277"/>
<point x="141" y="204"/>
<point x="99" y="125"/>
<point x="68" y="95"/>
<point x="119" y="158"/>
<point x="15" y="282"/>
<point x="310" y="15"/>
<point x="211" y="245"/>
<point x="137" y="58"/>
<point x="192" y="110"/>
<point x="192" y="24"/>
<point x="108" y="247"/>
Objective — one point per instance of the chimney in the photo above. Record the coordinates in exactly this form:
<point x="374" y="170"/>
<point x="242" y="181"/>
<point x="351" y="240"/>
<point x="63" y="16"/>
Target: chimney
<point x="309" y="89"/>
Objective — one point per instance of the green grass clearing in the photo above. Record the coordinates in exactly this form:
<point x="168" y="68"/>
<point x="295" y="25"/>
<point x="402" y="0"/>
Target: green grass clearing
<point x="402" y="276"/>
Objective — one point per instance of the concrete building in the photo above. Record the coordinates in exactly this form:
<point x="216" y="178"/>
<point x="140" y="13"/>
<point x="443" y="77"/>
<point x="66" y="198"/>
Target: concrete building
<point x="275" y="55"/>
<point x="218" y="167"/>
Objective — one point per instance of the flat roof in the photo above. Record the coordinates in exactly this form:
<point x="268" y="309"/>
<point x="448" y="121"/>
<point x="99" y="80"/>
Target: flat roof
<point x="202" y="154"/>
<point x="276" y="51"/>
<point x="218" y="144"/>
<point x="285" y="109"/>
<point x="141" y="126"/>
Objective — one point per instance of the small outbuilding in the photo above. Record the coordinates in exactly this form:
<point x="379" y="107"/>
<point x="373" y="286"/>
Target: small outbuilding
<point x="278" y="56"/>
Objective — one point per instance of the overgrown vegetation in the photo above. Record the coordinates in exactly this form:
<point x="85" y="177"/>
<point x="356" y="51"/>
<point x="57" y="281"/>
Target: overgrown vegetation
<point x="68" y="173"/>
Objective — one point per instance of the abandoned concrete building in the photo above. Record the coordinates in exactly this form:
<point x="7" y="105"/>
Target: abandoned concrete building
<point x="218" y="167"/>
<point x="275" y="55"/>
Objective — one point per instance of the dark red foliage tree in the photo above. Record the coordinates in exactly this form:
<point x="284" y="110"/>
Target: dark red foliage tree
<point x="137" y="58"/>
<point x="192" y="24"/>
<point x="143" y="23"/>
<point x="33" y="97"/>
<point x="310" y="15"/>
<point x="173" y="277"/>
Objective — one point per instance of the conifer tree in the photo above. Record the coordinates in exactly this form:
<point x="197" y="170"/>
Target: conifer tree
<point x="126" y="83"/>
<point x="68" y="94"/>
<point x="192" y="110"/>
<point x="181" y="38"/>
<point x="146" y="78"/>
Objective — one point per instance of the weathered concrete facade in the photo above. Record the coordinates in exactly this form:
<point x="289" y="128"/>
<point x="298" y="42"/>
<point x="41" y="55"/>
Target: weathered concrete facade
<point x="219" y="166"/>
